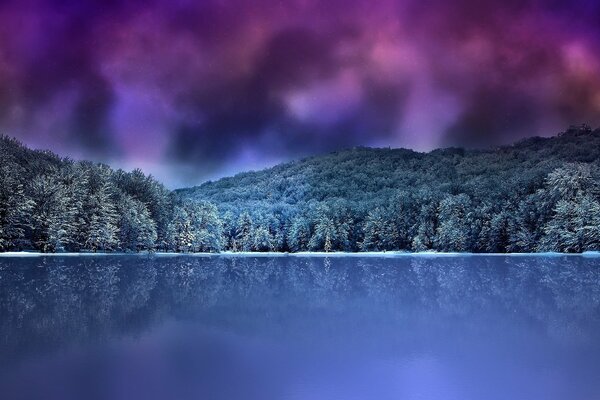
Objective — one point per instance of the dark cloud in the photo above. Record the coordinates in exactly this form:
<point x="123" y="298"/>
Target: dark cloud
<point x="493" y="116"/>
<point x="213" y="86"/>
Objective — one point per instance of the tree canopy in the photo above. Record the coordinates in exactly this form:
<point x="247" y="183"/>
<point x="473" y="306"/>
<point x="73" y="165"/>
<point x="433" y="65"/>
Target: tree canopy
<point x="540" y="194"/>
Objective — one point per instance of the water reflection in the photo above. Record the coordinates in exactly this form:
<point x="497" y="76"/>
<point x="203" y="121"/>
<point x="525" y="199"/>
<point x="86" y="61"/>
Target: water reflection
<point x="289" y="327"/>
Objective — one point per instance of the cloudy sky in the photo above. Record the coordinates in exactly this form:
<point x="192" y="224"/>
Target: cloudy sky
<point x="191" y="90"/>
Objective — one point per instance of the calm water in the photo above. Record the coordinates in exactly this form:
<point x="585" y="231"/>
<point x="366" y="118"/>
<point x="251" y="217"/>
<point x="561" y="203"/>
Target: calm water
<point x="140" y="327"/>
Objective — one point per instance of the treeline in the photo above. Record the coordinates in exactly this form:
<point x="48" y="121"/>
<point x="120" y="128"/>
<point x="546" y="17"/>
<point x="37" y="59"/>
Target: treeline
<point x="50" y="204"/>
<point x="541" y="194"/>
<point x="537" y="195"/>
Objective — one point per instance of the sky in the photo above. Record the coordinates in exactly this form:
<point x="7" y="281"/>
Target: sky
<point x="195" y="90"/>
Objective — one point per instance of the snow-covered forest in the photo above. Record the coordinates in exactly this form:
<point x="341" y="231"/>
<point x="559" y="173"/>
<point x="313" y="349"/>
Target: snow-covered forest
<point x="541" y="194"/>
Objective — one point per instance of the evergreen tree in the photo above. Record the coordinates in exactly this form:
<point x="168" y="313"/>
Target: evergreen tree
<point x="262" y="239"/>
<point x="299" y="234"/>
<point x="101" y="213"/>
<point x="453" y="231"/>
<point x="380" y="232"/>
<point x="181" y="231"/>
<point x="207" y="228"/>
<point x="244" y="233"/>
<point x="50" y="217"/>
<point x="325" y="236"/>
<point x="427" y="224"/>
<point x="573" y="226"/>
<point x="137" y="230"/>
<point x="15" y="206"/>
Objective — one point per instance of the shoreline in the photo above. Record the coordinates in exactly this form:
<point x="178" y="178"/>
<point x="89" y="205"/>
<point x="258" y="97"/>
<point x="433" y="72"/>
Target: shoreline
<point x="388" y="254"/>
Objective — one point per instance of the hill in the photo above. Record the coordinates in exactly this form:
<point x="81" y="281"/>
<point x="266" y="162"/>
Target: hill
<point x="54" y="204"/>
<point x="497" y="200"/>
<point x="540" y="194"/>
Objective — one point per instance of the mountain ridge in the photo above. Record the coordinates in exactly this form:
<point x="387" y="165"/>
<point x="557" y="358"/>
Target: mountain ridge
<point x="539" y="143"/>
<point x="539" y="194"/>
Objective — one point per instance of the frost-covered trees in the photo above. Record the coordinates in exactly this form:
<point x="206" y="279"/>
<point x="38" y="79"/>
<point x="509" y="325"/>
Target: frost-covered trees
<point x="325" y="236"/>
<point x="380" y="231"/>
<point x="538" y="195"/>
<point x="333" y="227"/>
<point x="101" y="213"/>
<point x="50" y="217"/>
<point x="244" y="233"/>
<point x="575" y="226"/>
<point x="206" y="225"/>
<point x="181" y="233"/>
<point x="195" y="227"/>
<point x="262" y="239"/>
<point x="427" y="224"/>
<point x="299" y="234"/>
<point x="53" y="205"/>
<point x="15" y="206"/>
<point x="453" y="232"/>
<point x="575" y="222"/>
<point x="137" y="229"/>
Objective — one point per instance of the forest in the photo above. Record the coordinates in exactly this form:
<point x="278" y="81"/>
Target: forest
<point x="537" y="195"/>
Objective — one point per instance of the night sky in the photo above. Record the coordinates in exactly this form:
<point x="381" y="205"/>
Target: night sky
<point x="192" y="90"/>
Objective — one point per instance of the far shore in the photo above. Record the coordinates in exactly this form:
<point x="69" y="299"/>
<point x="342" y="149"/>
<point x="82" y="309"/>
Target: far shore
<point x="298" y="254"/>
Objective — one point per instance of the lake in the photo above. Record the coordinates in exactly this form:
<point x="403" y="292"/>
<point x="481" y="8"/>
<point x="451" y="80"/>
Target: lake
<point x="225" y="327"/>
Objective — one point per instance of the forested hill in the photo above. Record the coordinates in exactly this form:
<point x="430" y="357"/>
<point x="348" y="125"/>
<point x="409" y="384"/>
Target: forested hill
<point x="537" y="195"/>
<point x="53" y="204"/>
<point x="368" y="174"/>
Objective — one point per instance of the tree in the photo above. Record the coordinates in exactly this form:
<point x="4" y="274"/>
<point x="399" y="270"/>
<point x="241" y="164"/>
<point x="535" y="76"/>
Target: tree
<point x="427" y="224"/>
<point x="181" y="232"/>
<point x="262" y="239"/>
<point x="325" y="236"/>
<point x="333" y="227"/>
<point x="575" y="226"/>
<point x="380" y="233"/>
<point x="137" y="230"/>
<point x="574" y="223"/>
<point x="299" y="234"/>
<point x="404" y="211"/>
<point x="101" y="213"/>
<point x="74" y="181"/>
<point x="15" y="206"/>
<point x="51" y="219"/>
<point x="229" y="229"/>
<point x="155" y="197"/>
<point x="244" y="233"/>
<point x="207" y="228"/>
<point x="453" y="233"/>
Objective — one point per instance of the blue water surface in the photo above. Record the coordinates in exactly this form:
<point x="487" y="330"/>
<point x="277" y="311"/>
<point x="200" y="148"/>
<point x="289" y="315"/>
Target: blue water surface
<point x="300" y="328"/>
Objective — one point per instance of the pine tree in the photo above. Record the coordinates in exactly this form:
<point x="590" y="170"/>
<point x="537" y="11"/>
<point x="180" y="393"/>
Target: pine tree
<point x="325" y="236"/>
<point x="262" y="239"/>
<point x="15" y="206"/>
<point x="244" y="233"/>
<point x="575" y="226"/>
<point x="207" y="227"/>
<point x="101" y="213"/>
<point x="74" y="181"/>
<point x="453" y="231"/>
<point x="229" y="229"/>
<point x="379" y="232"/>
<point x="181" y="231"/>
<point x="52" y="217"/>
<point x="427" y="224"/>
<point x="137" y="230"/>
<point x="299" y="234"/>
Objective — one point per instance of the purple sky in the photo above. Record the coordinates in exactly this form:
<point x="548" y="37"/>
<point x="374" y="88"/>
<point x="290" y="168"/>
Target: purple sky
<point x="190" y="90"/>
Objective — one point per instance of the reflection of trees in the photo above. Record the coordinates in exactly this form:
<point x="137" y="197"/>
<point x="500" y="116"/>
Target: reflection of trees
<point x="48" y="302"/>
